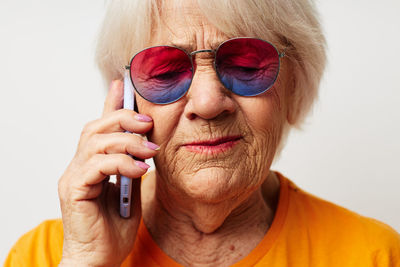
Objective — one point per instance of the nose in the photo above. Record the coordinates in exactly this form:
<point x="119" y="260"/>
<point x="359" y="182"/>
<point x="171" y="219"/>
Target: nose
<point x="207" y="98"/>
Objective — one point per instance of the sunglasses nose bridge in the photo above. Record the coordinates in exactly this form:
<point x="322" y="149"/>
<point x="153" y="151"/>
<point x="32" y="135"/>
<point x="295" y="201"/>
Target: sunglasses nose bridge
<point x="202" y="51"/>
<point x="193" y="54"/>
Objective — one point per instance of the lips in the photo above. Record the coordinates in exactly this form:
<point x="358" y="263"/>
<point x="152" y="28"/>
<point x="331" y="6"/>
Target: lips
<point x="213" y="145"/>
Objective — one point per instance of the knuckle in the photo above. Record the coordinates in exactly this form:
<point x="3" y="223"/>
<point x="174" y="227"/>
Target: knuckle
<point x="92" y="144"/>
<point x="130" y="144"/>
<point x="88" y="128"/>
<point x="126" y="149"/>
<point x="115" y="143"/>
<point x="127" y="112"/>
<point x="134" y="147"/>
<point x="123" y="160"/>
<point x="127" y="115"/>
<point x="62" y="188"/>
<point x="92" y="162"/>
<point x="127" y="166"/>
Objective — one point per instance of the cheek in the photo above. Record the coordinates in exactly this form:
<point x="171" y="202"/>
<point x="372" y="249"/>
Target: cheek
<point x="265" y="117"/>
<point x="265" y="112"/>
<point x="165" y="120"/>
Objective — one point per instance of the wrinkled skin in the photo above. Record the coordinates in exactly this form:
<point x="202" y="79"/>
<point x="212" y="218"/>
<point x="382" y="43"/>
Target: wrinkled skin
<point x="210" y="111"/>
<point x="197" y="206"/>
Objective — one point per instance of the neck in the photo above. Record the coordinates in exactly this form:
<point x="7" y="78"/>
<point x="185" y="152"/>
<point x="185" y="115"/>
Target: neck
<point x="208" y="233"/>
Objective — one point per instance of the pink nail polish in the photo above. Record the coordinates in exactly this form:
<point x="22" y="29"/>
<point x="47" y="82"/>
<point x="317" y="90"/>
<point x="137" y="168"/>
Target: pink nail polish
<point x="144" y="118"/>
<point x="151" y="145"/>
<point x="142" y="165"/>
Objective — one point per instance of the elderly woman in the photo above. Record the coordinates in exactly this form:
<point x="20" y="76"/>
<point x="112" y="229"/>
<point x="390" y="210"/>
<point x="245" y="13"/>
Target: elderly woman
<point x="218" y="86"/>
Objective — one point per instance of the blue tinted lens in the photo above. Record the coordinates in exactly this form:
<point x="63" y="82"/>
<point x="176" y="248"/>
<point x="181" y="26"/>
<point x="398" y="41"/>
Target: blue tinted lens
<point x="247" y="66"/>
<point x="161" y="74"/>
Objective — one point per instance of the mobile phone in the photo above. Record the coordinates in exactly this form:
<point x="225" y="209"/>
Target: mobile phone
<point x="126" y="183"/>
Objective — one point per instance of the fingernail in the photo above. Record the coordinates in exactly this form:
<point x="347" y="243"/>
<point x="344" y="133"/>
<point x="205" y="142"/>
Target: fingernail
<point x="142" y="117"/>
<point x="142" y="165"/>
<point x="151" y="145"/>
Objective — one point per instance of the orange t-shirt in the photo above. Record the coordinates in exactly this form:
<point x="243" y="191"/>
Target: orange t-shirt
<point x="306" y="231"/>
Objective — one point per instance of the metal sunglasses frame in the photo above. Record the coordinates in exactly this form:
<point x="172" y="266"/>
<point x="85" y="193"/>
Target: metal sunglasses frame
<point x="191" y="58"/>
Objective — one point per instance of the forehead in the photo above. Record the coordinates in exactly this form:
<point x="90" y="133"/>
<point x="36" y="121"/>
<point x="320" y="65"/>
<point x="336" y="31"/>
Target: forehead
<point x="186" y="27"/>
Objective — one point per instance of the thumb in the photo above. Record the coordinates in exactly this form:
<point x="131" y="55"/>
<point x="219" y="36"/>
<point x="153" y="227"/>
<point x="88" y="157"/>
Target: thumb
<point x="115" y="97"/>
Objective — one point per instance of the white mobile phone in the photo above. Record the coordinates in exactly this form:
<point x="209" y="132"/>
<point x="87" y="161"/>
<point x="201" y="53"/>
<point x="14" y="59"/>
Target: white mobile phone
<point x="126" y="183"/>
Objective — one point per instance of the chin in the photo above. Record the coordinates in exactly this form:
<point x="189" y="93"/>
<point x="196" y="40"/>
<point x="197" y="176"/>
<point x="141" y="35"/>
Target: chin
<point x="210" y="185"/>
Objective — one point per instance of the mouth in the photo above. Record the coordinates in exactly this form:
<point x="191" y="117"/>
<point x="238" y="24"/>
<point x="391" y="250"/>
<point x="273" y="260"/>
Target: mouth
<point x="213" y="146"/>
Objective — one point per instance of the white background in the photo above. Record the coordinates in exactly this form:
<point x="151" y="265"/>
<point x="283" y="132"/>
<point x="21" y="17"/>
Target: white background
<point x="348" y="152"/>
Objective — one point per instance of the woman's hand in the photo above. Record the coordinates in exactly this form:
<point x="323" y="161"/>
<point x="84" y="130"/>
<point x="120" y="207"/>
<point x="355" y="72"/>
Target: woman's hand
<point x="94" y="232"/>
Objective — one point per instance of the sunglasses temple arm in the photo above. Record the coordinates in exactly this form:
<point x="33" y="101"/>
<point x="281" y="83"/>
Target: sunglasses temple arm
<point x="283" y="53"/>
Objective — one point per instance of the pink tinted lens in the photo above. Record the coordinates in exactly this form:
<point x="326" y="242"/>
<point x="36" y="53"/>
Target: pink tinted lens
<point x="161" y="74"/>
<point x="247" y="66"/>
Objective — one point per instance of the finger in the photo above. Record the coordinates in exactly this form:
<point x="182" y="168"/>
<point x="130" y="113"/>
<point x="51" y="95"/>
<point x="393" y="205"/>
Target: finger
<point x="121" y="143"/>
<point x="100" y="166"/>
<point x="115" y="96"/>
<point x="120" y="121"/>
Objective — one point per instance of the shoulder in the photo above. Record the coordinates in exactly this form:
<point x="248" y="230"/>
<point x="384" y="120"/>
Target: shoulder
<point x="42" y="246"/>
<point x="336" y="226"/>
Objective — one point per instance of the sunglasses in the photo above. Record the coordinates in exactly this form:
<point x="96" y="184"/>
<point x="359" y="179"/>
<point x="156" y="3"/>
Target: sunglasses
<point x="246" y="66"/>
